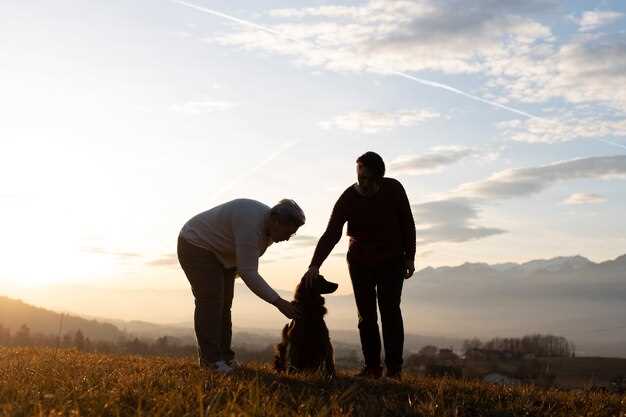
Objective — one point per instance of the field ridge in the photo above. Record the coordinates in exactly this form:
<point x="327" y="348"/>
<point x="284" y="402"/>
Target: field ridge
<point x="49" y="382"/>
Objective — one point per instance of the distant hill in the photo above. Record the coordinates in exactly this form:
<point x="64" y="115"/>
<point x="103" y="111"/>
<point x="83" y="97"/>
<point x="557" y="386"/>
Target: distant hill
<point x="15" y="313"/>
<point x="568" y="296"/>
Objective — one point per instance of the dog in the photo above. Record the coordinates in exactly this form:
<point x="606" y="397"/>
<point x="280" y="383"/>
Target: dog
<point x="305" y="342"/>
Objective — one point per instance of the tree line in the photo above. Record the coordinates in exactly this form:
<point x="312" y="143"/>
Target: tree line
<point x="162" y="346"/>
<point x="535" y="344"/>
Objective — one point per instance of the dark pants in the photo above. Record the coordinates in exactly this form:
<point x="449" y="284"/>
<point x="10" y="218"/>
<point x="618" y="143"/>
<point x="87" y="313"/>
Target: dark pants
<point x="212" y="286"/>
<point x="382" y="281"/>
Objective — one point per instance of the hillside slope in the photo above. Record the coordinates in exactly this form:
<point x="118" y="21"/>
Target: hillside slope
<point x="55" y="383"/>
<point x="15" y="313"/>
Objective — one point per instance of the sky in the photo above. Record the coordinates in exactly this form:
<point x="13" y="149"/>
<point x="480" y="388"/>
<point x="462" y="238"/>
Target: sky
<point x="505" y="121"/>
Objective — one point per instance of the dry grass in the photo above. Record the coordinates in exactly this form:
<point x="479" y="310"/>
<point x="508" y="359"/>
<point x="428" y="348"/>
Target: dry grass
<point x="42" y="382"/>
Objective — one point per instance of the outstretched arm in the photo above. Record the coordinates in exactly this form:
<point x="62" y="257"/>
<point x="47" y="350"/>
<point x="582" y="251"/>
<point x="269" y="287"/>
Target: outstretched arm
<point x="408" y="228"/>
<point x="332" y="234"/>
<point x="248" y="264"/>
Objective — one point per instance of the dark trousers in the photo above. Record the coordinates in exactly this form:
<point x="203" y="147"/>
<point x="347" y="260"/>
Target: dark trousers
<point x="212" y="286"/>
<point x="383" y="282"/>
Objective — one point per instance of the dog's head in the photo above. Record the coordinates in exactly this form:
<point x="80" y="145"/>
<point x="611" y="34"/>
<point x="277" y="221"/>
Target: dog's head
<point x="319" y="286"/>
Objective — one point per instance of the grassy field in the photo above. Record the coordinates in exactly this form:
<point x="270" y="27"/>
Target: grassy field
<point x="42" y="382"/>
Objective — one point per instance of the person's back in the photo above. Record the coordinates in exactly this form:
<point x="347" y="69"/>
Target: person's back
<point x="377" y="224"/>
<point x="223" y="227"/>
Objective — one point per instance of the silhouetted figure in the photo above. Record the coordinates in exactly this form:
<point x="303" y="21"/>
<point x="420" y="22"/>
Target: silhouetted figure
<point x="216" y="245"/>
<point x="380" y="256"/>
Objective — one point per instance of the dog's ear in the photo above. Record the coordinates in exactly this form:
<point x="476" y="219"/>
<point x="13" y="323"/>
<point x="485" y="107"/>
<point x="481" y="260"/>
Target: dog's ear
<point x="326" y="287"/>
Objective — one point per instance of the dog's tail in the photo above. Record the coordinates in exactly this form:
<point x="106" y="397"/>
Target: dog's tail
<point x="280" y="359"/>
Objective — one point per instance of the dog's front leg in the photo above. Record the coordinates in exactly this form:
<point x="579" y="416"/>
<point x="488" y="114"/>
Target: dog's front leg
<point x="331" y="372"/>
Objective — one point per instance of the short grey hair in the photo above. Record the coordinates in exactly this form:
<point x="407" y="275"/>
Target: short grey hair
<point x="288" y="211"/>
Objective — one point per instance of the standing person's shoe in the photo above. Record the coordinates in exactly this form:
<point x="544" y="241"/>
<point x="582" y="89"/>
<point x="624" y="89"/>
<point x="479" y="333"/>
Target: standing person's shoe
<point x="394" y="374"/>
<point x="234" y="364"/>
<point x="370" y="372"/>
<point x="220" y="367"/>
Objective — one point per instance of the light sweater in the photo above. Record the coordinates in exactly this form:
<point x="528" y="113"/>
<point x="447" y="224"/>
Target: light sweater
<point x="236" y="233"/>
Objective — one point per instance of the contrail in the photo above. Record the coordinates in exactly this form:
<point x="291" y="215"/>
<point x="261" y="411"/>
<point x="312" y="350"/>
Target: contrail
<point x="282" y="149"/>
<point x="225" y="16"/>
<point x="464" y="94"/>
<point x="428" y="83"/>
<point x="422" y="81"/>
<point x="612" y="143"/>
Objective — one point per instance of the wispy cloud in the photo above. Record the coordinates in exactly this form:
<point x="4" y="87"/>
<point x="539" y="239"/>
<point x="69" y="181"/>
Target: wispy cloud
<point x="405" y="36"/>
<point x="565" y="130"/>
<point x="587" y="69"/>
<point x="592" y="20"/>
<point x="170" y="259"/>
<point x="430" y="162"/>
<point x="454" y="218"/>
<point x="109" y="252"/>
<point x="273" y="259"/>
<point x="205" y="106"/>
<point x="450" y="220"/>
<point x="377" y="40"/>
<point x="303" y="241"/>
<point x="527" y="181"/>
<point x="400" y="38"/>
<point x="584" y="198"/>
<point x="376" y="121"/>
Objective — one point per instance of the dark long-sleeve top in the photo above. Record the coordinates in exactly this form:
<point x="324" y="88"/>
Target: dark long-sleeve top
<point x="380" y="226"/>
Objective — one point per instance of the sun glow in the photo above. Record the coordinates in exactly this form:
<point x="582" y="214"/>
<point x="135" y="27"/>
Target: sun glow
<point x="45" y="245"/>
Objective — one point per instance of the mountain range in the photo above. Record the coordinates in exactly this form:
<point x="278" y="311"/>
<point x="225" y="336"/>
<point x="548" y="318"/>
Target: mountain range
<point x="571" y="296"/>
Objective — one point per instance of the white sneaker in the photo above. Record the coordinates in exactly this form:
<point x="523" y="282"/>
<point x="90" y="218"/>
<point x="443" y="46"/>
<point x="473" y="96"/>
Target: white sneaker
<point x="234" y="364"/>
<point x="221" y="367"/>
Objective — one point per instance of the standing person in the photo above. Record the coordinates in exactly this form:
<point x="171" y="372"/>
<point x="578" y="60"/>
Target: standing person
<point x="213" y="247"/>
<point x="381" y="256"/>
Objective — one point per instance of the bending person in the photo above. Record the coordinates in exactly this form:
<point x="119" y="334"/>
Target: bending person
<point x="213" y="247"/>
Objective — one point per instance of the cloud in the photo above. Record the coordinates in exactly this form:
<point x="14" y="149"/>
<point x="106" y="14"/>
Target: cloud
<point x="171" y="259"/>
<point x="453" y="219"/>
<point x="430" y="162"/>
<point x="584" y="198"/>
<point x="374" y="122"/>
<point x="303" y="241"/>
<point x="589" y="69"/>
<point x="272" y="259"/>
<point x="562" y="130"/>
<point x="505" y="41"/>
<point x="592" y="20"/>
<point x="108" y="252"/>
<point x="527" y="181"/>
<point x="443" y="36"/>
<point x="449" y="220"/>
<point x="200" y="107"/>
<point x="592" y="69"/>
